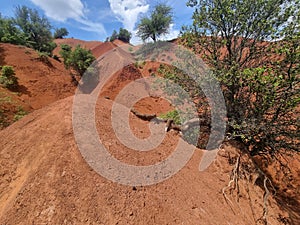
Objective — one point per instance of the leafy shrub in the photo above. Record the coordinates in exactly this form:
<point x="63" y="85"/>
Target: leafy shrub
<point x="65" y="53"/>
<point x="140" y="64"/>
<point x="8" y="78"/>
<point x="174" y="115"/>
<point x="260" y="80"/>
<point x="79" y="59"/>
<point x="4" y="122"/>
<point x="20" y="114"/>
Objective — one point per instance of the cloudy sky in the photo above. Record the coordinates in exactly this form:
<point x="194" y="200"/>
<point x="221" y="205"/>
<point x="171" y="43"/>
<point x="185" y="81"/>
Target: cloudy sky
<point x="96" y="19"/>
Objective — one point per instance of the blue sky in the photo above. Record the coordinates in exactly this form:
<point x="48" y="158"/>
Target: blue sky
<point x="96" y="19"/>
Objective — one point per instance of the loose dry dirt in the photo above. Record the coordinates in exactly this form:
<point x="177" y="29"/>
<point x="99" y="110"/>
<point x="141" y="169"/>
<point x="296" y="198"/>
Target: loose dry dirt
<point x="45" y="180"/>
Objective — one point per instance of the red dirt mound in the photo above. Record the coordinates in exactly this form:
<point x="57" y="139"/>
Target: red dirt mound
<point x="102" y="49"/>
<point x="98" y="48"/>
<point x="74" y="42"/>
<point x="45" y="180"/>
<point x="119" y="42"/>
<point x="42" y="80"/>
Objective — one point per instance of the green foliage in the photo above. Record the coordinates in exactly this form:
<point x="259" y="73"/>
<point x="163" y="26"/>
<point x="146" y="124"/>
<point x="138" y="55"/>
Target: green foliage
<point x="8" y="78"/>
<point x="114" y="36"/>
<point x="184" y="81"/>
<point x="36" y="28"/>
<point x="260" y="80"/>
<point x="9" y="33"/>
<point x="60" y="33"/>
<point x="174" y="115"/>
<point x="65" y="53"/>
<point x="4" y="122"/>
<point x="79" y="59"/>
<point x="20" y="114"/>
<point x="157" y="24"/>
<point x="123" y="35"/>
<point x="27" y="28"/>
<point x="7" y="107"/>
<point x="140" y="64"/>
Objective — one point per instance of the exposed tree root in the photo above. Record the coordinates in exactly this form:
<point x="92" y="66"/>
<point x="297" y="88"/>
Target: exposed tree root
<point x="233" y="181"/>
<point x="264" y="218"/>
<point x="169" y="122"/>
<point x="233" y="184"/>
<point x="142" y="116"/>
<point x="266" y="195"/>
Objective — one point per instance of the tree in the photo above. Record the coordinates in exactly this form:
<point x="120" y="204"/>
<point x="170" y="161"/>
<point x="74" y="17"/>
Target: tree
<point x="124" y="35"/>
<point x="60" y="33"/>
<point x="114" y="36"/>
<point x="9" y="33"/>
<point x="157" y="24"/>
<point x="37" y="29"/>
<point x="79" y="59"/>
<point x="253" y="48"/>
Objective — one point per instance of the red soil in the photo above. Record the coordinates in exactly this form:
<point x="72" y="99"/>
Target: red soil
<point x="74" y="42"/>
<point x="98" y="48"/>
<point x="102" y="49"/>
<point x="40" y="81"/>
<point x="45" y="180"/>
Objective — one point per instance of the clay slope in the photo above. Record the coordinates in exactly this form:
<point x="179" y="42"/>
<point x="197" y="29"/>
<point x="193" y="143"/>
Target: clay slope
<point x="74" y="42"/>
<point x="41" y="80"/>
<point x="98" y="48"/>
<point x="45" y="180"/>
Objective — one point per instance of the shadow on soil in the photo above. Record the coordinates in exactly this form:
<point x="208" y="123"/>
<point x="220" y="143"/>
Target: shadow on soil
<point x="2" y="56"/>
<point x="24" y="90"/>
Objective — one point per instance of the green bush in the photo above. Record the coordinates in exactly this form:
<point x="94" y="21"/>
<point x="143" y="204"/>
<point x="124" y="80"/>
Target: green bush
<point x="8" y="78"/>
<point x="79" y="59"/>
<point x="20" y="114"/>
<point x="174" y="115"/>
<point x="256" y="57"/>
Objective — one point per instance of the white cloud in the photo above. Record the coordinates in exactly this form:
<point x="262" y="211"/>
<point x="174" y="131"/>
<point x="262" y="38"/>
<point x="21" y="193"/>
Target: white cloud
<point x="128" y="11"/>
<point x="173" y="33"/>
<point x="62" y="10"/>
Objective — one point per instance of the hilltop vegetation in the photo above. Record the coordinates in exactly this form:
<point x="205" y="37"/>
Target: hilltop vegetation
<point x="30" y="29"/>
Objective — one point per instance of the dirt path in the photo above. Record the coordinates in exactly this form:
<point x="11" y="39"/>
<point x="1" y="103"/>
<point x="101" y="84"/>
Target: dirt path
<point x="58" y="187"/>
